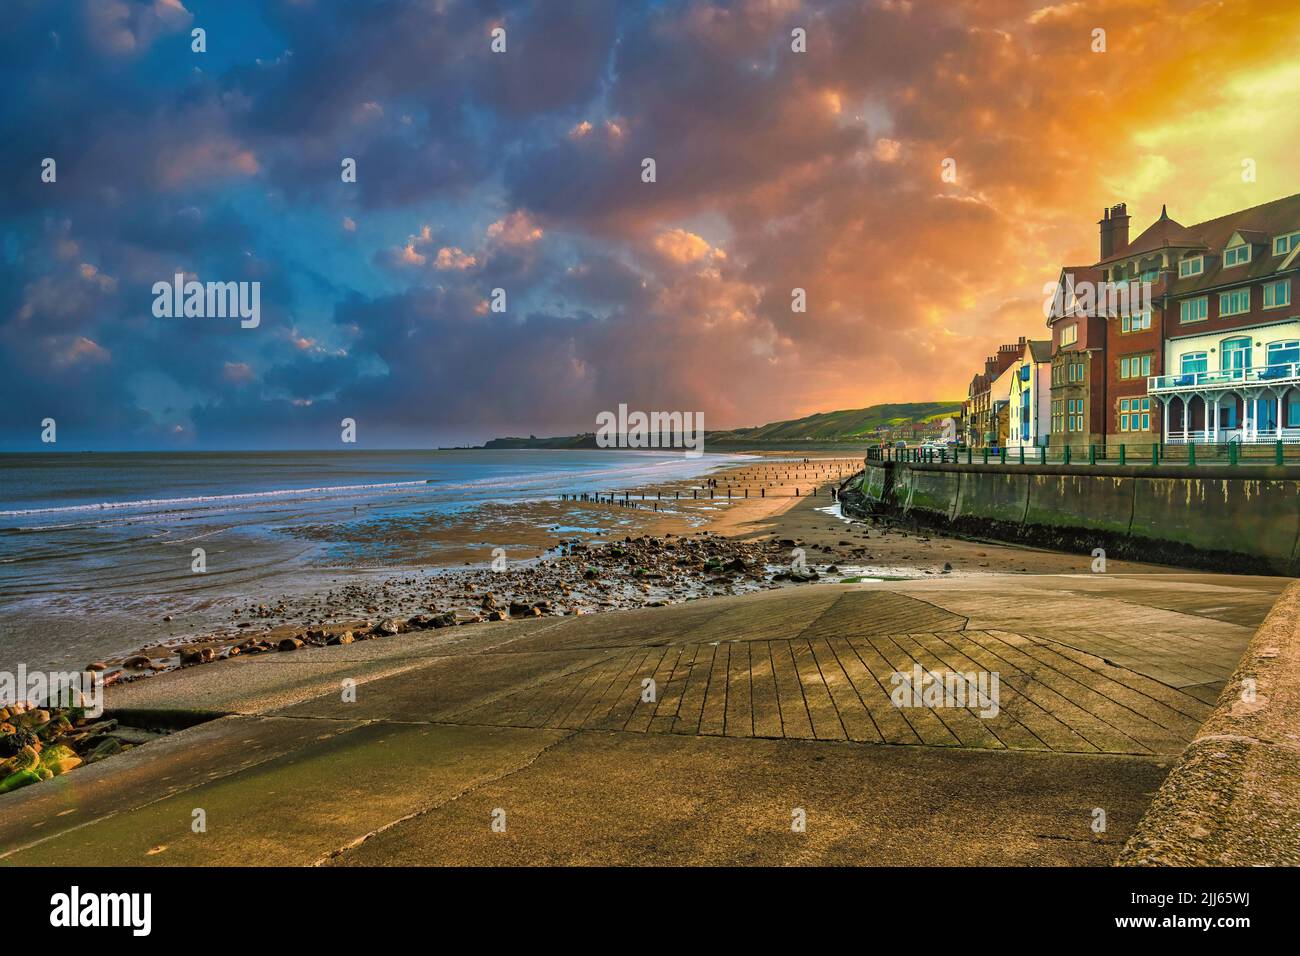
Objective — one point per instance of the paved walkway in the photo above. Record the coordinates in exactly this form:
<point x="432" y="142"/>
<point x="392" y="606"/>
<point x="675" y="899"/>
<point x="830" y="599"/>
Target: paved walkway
<point x="767" y="709"/>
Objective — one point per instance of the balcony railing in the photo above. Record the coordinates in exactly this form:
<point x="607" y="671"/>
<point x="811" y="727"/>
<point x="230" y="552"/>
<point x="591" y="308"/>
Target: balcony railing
<point x="1264" y="435"/>
<point x="1191" y="381"/>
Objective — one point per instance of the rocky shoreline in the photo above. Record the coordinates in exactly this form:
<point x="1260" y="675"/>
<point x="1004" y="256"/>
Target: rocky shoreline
<point x="38" y="743"/>
<point x="575" y="577"/>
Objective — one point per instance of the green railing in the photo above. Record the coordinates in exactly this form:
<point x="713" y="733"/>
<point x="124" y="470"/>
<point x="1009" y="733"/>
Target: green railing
<point x="1153" y="454"/>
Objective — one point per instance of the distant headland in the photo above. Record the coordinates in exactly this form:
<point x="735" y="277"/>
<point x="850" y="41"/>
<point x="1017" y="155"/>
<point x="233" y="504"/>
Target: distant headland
<point x="908" y="421"/>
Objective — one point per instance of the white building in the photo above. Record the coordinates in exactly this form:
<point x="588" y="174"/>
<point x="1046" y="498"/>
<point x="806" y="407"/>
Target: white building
<point x="1230" y="345"/>
<point x="1236" y="385"/>
<point x="1030" y="396"/>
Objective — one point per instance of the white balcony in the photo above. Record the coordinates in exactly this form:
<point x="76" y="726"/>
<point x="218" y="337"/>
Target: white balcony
<point x="1228" y="436"/>
<point x="1268" y="377"/>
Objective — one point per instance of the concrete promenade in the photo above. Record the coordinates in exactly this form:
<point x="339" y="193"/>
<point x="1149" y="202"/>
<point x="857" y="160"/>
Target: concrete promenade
<point x="767" y="706"/>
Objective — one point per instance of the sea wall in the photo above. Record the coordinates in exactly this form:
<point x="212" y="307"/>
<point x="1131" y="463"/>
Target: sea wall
<point x="1244" y="518"/>
<point x="1233" y="799"/>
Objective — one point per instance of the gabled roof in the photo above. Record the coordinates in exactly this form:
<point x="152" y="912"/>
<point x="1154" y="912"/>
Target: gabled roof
<point x="1268" y="220"/>
<point x="1076" y="276"/>
<point x="1253" y="236"/>
<point x="1258" y="225"/>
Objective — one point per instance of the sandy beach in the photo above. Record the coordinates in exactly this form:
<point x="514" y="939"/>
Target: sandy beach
<point x="746" y="528"/>
<point x="599" y="585"/>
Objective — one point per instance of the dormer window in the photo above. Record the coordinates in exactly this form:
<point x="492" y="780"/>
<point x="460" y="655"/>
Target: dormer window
<point x="1237" y="253"/>
<point x="1284" y="244"/>
<point x="1192" y="266"/>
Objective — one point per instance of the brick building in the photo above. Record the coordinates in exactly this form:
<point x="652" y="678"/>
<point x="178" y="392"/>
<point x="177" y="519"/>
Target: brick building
<point x="1229" y="349"/>
<point x="985" y="418"/>
<point x="1185" y="333"/>
<point x="1078" y="392"/>
<point x="1203" y="344"/>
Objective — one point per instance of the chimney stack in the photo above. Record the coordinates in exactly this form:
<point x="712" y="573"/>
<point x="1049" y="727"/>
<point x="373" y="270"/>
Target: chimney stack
<point x="1107" y="236"/>
<point x="1119" y="227"/>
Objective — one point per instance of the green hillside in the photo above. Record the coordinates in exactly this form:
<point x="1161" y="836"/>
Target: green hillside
<point x="847" y="424"/>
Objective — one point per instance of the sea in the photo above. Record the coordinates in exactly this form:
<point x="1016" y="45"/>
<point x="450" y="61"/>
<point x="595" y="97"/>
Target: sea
<point x="95" y="547"/>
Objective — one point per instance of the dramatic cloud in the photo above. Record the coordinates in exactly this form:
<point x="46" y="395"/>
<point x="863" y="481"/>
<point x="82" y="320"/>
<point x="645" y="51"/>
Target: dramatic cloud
<point x="515" y="180"/>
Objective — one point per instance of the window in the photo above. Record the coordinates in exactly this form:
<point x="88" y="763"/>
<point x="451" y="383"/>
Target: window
<point x="1194" y="310"/>
<point x="1283" y="353"/>
<point x="1194" y="362"/>
<point x="1293" y="411"/>
<point x="1069" y="335"/>
<point x="1191" y="267"/>
<point x="1284" y="244"/>
<point x="1236" y="255"/>
<point x="1138" y="418"/>
<point x="1277" y="294"/>
<point x="1074" y="418"/>
<point x="1135" y="366"/>
<point x="1236" y="354"/>
<point x="1234" y="302"/>
<point x="1136" y="323"/>
<point x="1150" y="275"/>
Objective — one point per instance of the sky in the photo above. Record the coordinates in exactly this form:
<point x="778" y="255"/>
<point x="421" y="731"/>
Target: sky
<point x="920" y="170"/>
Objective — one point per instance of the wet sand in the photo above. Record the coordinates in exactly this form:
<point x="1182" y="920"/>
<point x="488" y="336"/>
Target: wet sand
<point x="650" y="547"/>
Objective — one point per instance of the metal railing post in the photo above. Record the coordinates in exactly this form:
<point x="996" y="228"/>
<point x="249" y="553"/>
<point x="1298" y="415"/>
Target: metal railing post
<point x="1065" y="455"/>
<point x="1278" y="453"/>
<point x="1092" y="454"/>
<point x="1191" y="453"/>
<point x="1123" y="454"/>
<point x="1022" y="454"/>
